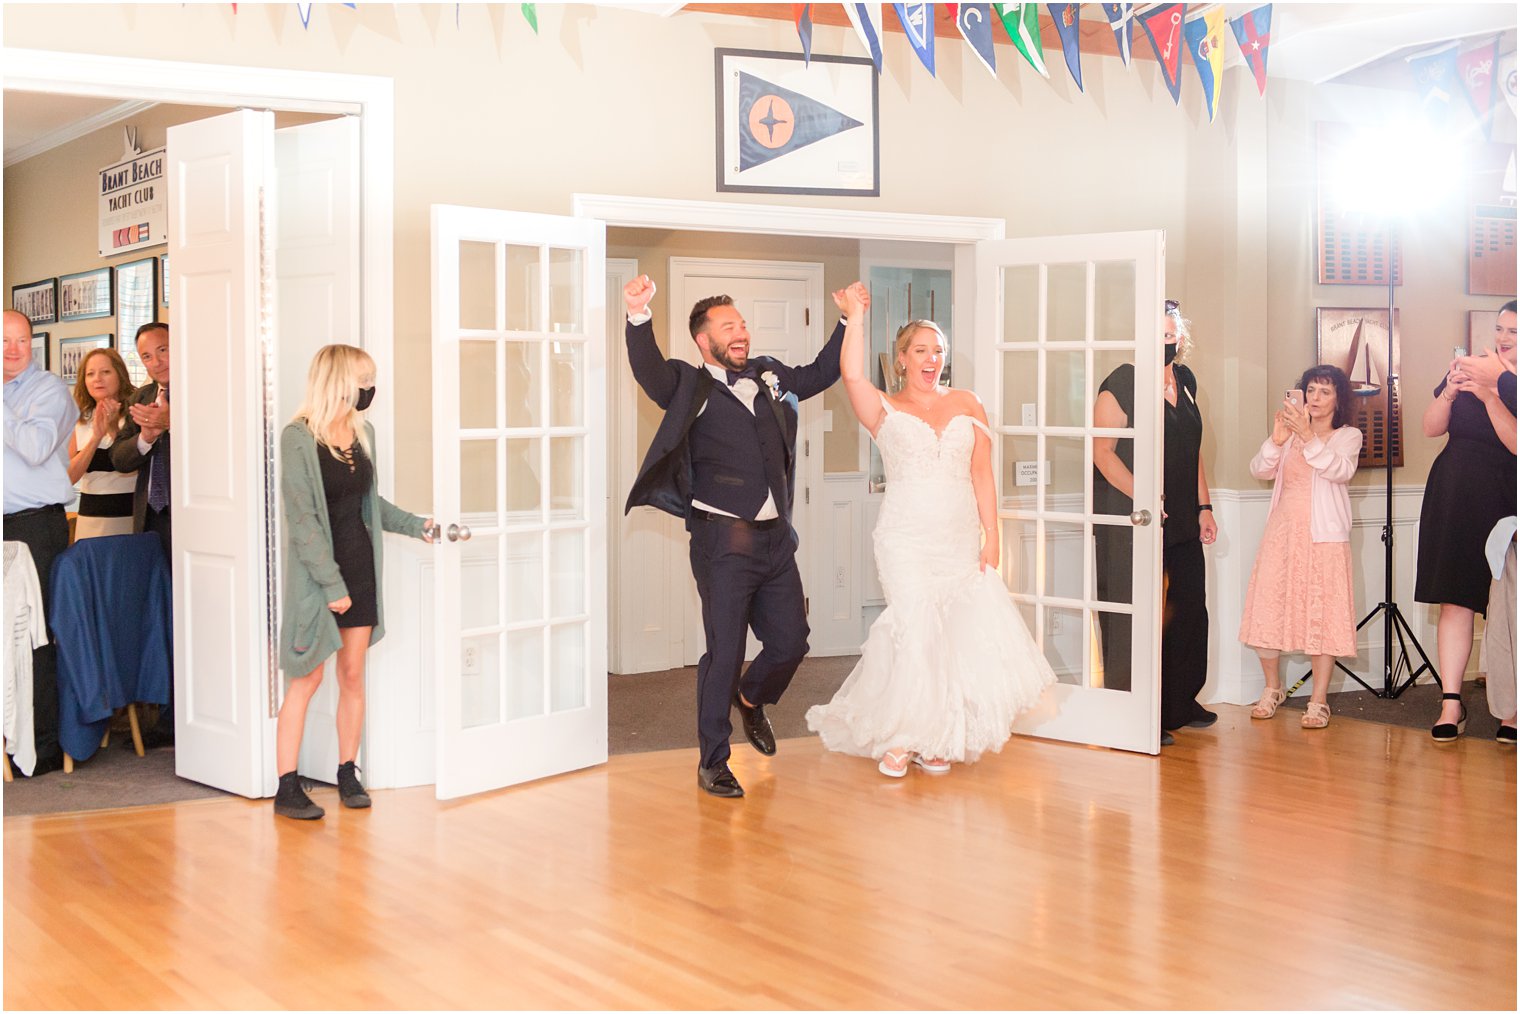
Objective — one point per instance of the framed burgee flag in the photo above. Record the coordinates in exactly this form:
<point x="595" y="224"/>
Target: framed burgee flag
<point x="791" y="126"/>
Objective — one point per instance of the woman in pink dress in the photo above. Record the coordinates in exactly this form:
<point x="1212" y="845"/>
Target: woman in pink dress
<point x="1300" y="595"/>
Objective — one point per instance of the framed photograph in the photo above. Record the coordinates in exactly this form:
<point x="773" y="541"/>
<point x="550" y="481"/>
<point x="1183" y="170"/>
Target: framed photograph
<point x="787" y="126"/>
<point x="136" y="305"/>
<point x="85" y="295"/>
<point x="40" y="348"/>
<point x="163" y="284"/>
<point x="71" y="352"/>
<point x="38" y="300"/>
<point x="1480" y="329"/>
<point x="1357" y="340"/>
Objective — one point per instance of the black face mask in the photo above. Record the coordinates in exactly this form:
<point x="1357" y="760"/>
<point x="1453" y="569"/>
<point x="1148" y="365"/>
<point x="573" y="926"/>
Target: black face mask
<point x="367" y="396"/>
<point x="1169" y="355"/>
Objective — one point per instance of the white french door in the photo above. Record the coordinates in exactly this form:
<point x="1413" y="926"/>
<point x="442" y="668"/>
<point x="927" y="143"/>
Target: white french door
<point x="1063" y="314"/>
<point x="219" y="171"/>
<point x="519" y="453"/>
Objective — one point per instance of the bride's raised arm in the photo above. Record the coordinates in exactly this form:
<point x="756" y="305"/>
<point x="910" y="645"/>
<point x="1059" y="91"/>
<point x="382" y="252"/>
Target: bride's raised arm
<point x="865" y="399"/>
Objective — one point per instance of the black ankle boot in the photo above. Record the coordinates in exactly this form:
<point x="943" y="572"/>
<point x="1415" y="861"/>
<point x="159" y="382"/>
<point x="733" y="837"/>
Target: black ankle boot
<point x="1446" y="732"/>
<point x="350" y="793"/>
<point x="293" y="802"/>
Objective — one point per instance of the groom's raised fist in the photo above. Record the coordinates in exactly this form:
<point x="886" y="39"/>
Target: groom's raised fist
<point x="637" y="294"/>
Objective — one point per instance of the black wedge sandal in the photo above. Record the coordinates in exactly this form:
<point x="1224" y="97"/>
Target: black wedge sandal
<point x="1446" y="732"/>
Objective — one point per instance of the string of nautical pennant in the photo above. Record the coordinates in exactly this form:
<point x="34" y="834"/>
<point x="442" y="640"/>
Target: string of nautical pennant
<point x="1167" y="27"/>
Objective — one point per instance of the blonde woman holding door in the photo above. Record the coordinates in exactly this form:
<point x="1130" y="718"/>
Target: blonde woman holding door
<point x="334" y="520"/>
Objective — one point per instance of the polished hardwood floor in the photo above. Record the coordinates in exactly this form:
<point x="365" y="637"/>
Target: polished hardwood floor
<point x="1253" y="865"/>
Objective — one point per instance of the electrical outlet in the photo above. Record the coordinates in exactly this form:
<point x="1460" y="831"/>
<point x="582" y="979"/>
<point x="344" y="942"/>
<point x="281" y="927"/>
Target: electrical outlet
<point x="471" y="660"/>
<point x="1026" y="416"/>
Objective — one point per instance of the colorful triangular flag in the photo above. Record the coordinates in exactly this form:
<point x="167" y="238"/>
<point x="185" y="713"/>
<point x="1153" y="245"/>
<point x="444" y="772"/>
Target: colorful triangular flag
<point x="1068" y="19"/>
<point x="1507" y="85"/>
<point x="304" y="10"/>
<point x="1475" y="70"/>
<point x="918" y="25"/>
<point x="1163" y="26"/>
<point x="776" y="121"/>
<point x="802" y="14"/>
<point x="1122" y="18"/>
<point x="867" y="21"/>
<point x="974" y="22"/>
<point x="1253" y="31"/>
<point x="1435" y="77"/>
<point x="1205" y="40"/>
<point x="530" y="12"/>
<point x="1022" y="22"/>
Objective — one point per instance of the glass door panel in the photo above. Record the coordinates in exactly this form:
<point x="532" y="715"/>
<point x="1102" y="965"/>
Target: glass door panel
<point x="1063" y="314"/>
<point x="519" y="418"/>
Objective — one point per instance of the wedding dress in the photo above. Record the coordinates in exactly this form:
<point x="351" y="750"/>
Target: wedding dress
<point x="949" y="663"/>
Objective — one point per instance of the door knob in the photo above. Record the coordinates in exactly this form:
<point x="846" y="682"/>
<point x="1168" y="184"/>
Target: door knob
<point x="458" y="533"/>
<point x="1140" y="518"/>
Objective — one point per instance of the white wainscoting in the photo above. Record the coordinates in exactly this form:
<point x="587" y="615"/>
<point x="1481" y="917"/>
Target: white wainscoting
<point x="854" y="596"/>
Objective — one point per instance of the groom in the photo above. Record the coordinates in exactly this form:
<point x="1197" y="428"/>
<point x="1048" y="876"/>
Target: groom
<point x="724" y="459"/>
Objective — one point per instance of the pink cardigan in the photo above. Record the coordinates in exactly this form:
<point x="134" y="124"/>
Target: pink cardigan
<point x="1334" y="463"/>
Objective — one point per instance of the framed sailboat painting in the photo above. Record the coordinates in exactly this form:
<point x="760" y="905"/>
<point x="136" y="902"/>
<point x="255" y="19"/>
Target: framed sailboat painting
<point x="1357" y="340"/>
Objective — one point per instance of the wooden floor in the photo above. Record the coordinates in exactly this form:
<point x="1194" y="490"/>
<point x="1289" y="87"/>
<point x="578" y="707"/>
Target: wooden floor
<point x="1253" y="865"/>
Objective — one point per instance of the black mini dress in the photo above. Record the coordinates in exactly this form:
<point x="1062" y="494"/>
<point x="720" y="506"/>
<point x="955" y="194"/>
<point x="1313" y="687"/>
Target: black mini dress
<point x="346" y="483"/>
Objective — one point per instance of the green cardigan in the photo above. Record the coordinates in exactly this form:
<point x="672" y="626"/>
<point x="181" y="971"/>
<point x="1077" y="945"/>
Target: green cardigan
<point x="308" y="629"/>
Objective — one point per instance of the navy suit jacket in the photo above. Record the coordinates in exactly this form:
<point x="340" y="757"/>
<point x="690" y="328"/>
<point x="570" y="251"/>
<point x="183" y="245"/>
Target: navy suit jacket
<point x="681" y="389"/>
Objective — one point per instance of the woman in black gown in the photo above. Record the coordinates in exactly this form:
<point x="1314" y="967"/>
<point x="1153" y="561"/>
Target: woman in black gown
<point x="1470" y="487"/>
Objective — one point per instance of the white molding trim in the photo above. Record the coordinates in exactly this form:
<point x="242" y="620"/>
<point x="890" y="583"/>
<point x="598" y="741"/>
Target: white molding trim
<point x="73" y="131"/>
<point x="715" y="216"/>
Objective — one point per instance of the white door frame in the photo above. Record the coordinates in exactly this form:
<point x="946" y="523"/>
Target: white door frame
<point x="372" y="99"/>
<point x="765" y="219"/>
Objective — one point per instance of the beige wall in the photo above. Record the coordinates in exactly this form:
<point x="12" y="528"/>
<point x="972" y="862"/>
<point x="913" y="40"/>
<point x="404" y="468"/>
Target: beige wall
<point x="611" y="101"/>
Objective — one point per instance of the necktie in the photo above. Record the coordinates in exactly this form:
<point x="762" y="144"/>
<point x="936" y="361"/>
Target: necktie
<point x="158" y="466"/>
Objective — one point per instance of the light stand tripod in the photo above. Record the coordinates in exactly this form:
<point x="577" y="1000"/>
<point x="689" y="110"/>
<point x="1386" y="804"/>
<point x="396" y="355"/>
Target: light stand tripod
<point x="1395" y="664"/>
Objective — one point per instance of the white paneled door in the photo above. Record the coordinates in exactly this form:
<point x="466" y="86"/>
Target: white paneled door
<point x="519" y="467"/>
<point x="1061" y="315"/>
<point x="224" y="657"/>
<point x="317" y="240"/>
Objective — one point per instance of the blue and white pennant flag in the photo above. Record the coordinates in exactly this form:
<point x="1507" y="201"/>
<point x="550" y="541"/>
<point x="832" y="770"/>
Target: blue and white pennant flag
<point x="867" y="21"/>
<point x="918" y="25"/>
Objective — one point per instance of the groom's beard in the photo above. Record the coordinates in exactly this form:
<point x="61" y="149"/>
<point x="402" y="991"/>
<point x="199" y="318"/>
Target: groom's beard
<point x="727" y="361"/>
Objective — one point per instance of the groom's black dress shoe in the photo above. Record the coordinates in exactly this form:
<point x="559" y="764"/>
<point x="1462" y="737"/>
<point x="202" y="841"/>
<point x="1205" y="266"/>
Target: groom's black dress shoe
<point x="757" y="727"/>
<point x="1202" y="718"/>
<point x="719" y="781"/>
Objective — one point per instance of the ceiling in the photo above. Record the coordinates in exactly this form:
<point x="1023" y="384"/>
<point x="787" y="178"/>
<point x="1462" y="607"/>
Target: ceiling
<point x="1359" y="43"/>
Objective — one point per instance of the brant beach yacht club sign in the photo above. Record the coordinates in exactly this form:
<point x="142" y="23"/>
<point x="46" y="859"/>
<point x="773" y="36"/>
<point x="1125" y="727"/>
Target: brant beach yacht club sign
<point x="134" y="203"/>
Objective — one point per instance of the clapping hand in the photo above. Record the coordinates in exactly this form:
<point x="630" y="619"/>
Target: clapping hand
<point x="1478" y="374"/>
<point x="104" y="417"/>
<point x="637" y="294"/>
<point x="152" y="418"/>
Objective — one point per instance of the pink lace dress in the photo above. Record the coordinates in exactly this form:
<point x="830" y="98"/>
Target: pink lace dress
<point x="1300" y="597"/>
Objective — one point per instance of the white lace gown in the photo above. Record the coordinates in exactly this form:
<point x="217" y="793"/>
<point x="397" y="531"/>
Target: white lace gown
<point x="949" y="663"/>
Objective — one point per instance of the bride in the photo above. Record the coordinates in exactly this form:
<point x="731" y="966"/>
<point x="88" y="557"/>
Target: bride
<point x="949" y="663"/>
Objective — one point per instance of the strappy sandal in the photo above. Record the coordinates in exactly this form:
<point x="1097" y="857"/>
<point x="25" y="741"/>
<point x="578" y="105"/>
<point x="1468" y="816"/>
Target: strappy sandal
<point x="1270" y="699"/>
<point x="889" y="761"/>
<point x="933" y="765"/>
<point x="1317" y="716"/>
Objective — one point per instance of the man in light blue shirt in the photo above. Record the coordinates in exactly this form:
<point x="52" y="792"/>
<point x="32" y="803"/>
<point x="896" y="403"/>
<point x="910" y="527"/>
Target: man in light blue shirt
<point x="39" y="416"/>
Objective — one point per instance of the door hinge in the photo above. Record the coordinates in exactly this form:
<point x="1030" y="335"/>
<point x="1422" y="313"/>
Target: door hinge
<point x="807" y="448"/>
<point x="807" y="494"/>
<point x="807" y="316"/>
<point x="807" y="606"/>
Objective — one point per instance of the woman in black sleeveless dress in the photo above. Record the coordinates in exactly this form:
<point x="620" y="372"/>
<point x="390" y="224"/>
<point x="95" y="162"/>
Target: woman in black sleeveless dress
<point x="1470" y="487"/>
<point x="331" y="605"/>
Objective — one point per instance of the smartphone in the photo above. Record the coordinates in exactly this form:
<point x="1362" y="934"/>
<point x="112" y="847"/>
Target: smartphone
<point x="1458" y="352"/>
<point x="1296" y="398"/>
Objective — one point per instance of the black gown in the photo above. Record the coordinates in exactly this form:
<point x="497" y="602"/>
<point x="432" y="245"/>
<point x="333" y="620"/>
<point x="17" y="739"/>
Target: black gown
<point x="345" y="485"/>
<point x="1471" y="486"/>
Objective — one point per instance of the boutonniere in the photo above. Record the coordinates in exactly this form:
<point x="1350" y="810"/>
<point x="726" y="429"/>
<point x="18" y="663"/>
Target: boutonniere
<point x="772" y="383"/>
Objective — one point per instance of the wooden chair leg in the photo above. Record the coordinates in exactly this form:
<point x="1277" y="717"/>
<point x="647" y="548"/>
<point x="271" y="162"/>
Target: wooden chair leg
<point x="137" y="743"/>
<point x="105" y="740"/>
<point x="68" y="763"/>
